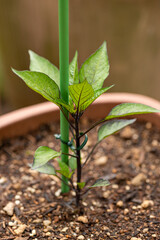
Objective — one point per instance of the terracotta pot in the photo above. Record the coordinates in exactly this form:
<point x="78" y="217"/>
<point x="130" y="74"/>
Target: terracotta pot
<point x="21" y="121"/>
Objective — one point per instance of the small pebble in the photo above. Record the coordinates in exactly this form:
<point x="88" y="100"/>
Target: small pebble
<point x="119" y="204"/>
<point x="64" y="229"/>
<point x="17" y="202"/>
<point x="20" y="229"/>
<point x="96" y="203"/>
<point x="127" y="188"/>
<point x="38" y="220"/>
<point x="134" y="207"/>
<point x="154" y="235"/>
<point x="12" y="224"/>
<point x="134" y="238"/>
<point x="46" y="222"/>
<point x="48" y="233"/>
<point x="148" y="125"/>
<point x="106" y="194"/>
<point x="9" y="208"/>
<point x="145" y="230"/>
<point x="155" y="143"/>
<point x="17" y="197"/>
<point x="84" y="204"/>
<point x="82" y="219"/>
<point x="80" y="237"/>
<point x="58" y="193"/>
<point x="126" y="133"/>
<point x="101" y="161"/>
<point x="126" y="211"/>
<point x="151" y="216"/>
<point x="147" y="203"/>
<point x="33" y="232"/>
<point x="30" y="189"/>
<point x="3" y="180"/>
<point x="115" y="186"/>
<point x="137" y="180"/>
<point x="41" y="199"/>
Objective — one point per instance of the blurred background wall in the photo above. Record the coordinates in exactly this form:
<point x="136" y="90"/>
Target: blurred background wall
<point x="131" y="29"/>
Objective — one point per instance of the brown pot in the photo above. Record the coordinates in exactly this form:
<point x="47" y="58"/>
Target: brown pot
<point x="21" y="121"/>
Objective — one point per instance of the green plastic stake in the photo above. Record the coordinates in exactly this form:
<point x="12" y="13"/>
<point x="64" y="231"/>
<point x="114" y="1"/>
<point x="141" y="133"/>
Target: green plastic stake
<point x="64" y="79"/>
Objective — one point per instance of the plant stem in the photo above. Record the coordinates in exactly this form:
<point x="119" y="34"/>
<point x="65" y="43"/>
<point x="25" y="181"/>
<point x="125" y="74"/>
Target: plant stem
<point x="79" y="167"/>
<point x="93" y="126"/>
<point x="64" y="79"/>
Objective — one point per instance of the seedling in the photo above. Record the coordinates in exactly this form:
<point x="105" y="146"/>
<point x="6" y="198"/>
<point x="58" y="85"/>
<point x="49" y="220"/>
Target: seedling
<point x="85" y="86"/>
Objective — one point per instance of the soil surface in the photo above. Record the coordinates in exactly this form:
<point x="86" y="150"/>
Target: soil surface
<point x="31" y="206"/>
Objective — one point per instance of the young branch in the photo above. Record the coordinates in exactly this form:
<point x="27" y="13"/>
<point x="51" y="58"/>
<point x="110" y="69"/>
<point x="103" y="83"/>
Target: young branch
<point x="85" y="192"/>
<point x="89" y="155"/>
<point x="71" y="155"/>
<point x="89" y="129"/>
<point x="71" y="182"/>
<point x="62" y="180"/>
<point x="93" y="126"/>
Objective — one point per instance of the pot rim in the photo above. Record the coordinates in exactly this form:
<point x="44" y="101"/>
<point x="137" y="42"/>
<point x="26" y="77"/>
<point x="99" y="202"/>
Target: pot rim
<point x="22" y="120"/>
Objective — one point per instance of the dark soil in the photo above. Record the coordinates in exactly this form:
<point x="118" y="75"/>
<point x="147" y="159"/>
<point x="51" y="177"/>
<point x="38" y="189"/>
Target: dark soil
<point x="119" y="211"/>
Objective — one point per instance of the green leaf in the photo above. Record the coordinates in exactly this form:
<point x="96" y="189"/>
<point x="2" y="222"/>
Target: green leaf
<point x="43" y="155"/>
<point x="73" y="70"/>
<point x="100" y="183"/>
<point x="96" y="68"/>
<point x="69" y="108"/>
<point x="73" y="163"/>
<point x="40" y="64"/>
<point x="126" y="109"/>
<point x="47" y="169"/>
<point x="40" y="83"/>
<point x="64" y="169"/>
<point x="80" y="94"/>
<point x="81" y="185"/>
<point x="97" y="93"/>
<point x="112" y="127"/>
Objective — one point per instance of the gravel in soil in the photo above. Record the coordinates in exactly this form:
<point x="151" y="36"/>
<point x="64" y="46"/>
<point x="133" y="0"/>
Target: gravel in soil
<point x="31" y="206"/>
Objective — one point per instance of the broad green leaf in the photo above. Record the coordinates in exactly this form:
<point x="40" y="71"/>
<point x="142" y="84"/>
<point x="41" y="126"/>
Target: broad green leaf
<point x="73" y="70"/>
<point x="63" y="173"/>
<point x="81" y="185"/>
<point x="100" y="183"/>
<point x="81" y="93"/>
<point x="43" y="155"/>
<point x="40" y="64"/>
<point x="47" y="169"/>
<point x="64" y="169"/>
<point x="96" y="68"/>
<point x="40" y="83"/>
<point x="97" y="93"/>
<point x="126" y="109"/>
<point x="112" y="127"/>
<point x="73" y="163"/>
<point x="70" y="108"/>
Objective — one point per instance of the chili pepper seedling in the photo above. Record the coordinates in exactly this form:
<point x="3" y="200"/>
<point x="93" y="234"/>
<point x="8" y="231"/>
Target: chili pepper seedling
<point x="85" y="86"/>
